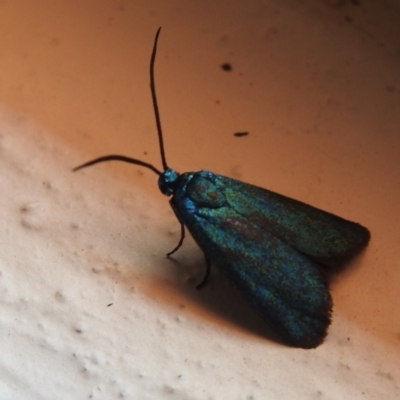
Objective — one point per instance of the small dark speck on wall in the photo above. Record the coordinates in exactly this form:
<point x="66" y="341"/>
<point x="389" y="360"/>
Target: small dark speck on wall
<point x="226" y="67"/>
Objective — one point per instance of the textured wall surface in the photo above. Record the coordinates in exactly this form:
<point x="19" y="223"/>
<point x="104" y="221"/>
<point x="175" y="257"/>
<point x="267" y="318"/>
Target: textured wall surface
<point x="89" y="305"/>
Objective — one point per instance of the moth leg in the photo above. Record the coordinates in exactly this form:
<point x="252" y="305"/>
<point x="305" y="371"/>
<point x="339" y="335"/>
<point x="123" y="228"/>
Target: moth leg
<point x="207" y="275"/>
<point x="180" y="241"/>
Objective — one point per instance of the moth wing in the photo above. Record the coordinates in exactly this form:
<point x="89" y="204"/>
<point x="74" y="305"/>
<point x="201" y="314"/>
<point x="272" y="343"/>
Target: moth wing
<point x="285" y="286"/>
<point x="322" y="236"/>
<point x="279" y="281"/>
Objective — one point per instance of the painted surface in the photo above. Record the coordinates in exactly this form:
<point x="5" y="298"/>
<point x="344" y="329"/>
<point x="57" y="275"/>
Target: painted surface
<point x="89" y="305"/>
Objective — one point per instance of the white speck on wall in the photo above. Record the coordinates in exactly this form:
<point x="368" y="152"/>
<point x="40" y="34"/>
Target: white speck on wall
<point x="90" y="307"/>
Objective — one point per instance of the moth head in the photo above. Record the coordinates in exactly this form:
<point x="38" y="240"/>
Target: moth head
<point x="167" y="182"/>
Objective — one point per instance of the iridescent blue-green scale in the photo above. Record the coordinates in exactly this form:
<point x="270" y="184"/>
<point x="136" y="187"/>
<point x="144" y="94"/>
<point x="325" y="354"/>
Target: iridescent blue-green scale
<point x="259" y="245"/>
<point x="322" y="236"/>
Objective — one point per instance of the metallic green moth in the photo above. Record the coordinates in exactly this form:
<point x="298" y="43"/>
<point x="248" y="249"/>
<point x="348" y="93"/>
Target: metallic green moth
<point x="269" y="246"/>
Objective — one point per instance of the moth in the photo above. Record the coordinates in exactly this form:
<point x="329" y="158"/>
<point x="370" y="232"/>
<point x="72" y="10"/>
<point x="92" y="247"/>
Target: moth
<point x="271" y="247"/>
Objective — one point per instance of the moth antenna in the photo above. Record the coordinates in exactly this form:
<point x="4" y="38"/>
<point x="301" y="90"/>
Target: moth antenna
<point x="119" y="158"/>
<point x="158" y="122"/>
<point x="155" y="104"/>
